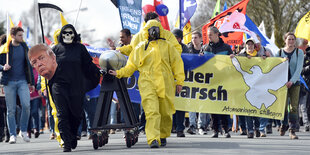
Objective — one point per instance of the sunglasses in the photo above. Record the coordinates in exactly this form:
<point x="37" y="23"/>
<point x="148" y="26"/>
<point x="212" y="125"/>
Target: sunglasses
<point x="67" y="32"/>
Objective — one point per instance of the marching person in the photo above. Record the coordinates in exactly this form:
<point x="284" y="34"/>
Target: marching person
<point x="217" y="46"/>
<point x="17" y="78"/>
<point x="295" y="57"/>
<point x="159" y="64"/>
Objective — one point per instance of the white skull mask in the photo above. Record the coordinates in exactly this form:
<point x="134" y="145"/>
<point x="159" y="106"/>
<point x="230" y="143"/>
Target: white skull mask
<point x="67" y="35"/>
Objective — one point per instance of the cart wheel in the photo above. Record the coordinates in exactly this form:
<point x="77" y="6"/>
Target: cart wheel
<point x="101" y="141"/>
<point x="128" y="140"/>
<point x="95" y="141"/>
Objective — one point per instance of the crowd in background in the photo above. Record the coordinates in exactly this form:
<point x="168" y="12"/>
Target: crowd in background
<point x="39" y="117"/>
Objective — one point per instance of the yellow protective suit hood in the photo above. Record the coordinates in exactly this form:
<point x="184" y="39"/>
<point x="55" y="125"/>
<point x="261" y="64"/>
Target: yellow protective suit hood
<point x="137" y="38"/>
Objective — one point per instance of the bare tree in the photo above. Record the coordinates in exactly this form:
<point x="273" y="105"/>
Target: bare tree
<point x="2" y="23"/>
<point x="279" y="15"/>
<point x="203" y="13"/>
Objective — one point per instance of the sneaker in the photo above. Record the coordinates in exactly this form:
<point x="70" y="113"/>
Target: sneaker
<point x="268" y="129"/>
<point x="154" y="144"/>
<point x="41" y="131"/>
<point x="202" y="132"/>
<point x="163" y="142"/>
<point x="251" y="135"/>
<point x="215" y="135"/>
<point x="180" y="134"/>
<point x="24" y="136"/>
<point x="262" y="134"/>
<point x="191" y="130"/>
<point x="306" y="128"/>
<point x="53" y="136"/>
<point x="173" y="130"/>
<point x="243" y="133"/>
<point x="65" y="149"/>
<point x="83" y="134"/>
<point x="12" y="140"/>
<point x="293" y="135"/>
<point x="227" y="135"/>
<point x="282" y="130"/>
<point x="36" y="134"/>
<point x="257" y="133"/>
<point x="112" y="131"/>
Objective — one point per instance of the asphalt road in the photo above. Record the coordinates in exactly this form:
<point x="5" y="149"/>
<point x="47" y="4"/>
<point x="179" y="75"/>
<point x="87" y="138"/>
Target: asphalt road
<point x="191" y="144"/>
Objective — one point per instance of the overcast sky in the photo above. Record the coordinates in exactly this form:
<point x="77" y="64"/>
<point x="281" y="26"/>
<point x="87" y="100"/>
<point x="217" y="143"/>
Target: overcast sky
<point x="101" y="15"/>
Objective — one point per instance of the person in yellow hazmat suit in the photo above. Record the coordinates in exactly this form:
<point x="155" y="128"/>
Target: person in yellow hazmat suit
<point x="159" y="64"/>
<point x="127" y="49"/>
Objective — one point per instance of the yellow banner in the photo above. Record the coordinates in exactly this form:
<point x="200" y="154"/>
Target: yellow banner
<point x="241" y="86"/>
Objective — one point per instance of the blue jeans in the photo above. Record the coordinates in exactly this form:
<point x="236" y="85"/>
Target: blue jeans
<point x="242" y="123"/>
<point x="34" y="113"/>
<point x="113" y="113"/>
<point x="250" y="126"/>
<point x="42" y="115"/>
<point x="202" y="120"/>
<point x="90" y="109"/>
<point x="12" y="89"/>
<point x="50" y="117"/>
<point x="263" y="124"/>
<point x="178" y="120"/>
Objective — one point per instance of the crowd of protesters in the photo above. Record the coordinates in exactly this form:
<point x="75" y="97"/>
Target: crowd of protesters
<point x="23" y="103"/>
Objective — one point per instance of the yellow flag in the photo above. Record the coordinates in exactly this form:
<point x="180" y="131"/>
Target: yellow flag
<point x="63" y="20"/>
<point x="5" y="48"/>
<point x="303" y="27"/>
<point x="187" y="33"/>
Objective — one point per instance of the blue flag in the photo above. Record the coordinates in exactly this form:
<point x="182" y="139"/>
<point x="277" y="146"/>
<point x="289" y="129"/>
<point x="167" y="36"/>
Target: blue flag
<point x="130" y="12"/>
<point x="225" y="7"/>
<point x="265" y="41"/>
<point x="187" y="10"/>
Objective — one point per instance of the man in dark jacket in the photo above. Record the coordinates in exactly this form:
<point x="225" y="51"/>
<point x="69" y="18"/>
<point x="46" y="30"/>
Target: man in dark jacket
<point x="75" y="75"/>
<point x="217" y="46"/>
<point x="16" y="77"/>
<point x="179" y="116"/>
<point x="304" y="93"/>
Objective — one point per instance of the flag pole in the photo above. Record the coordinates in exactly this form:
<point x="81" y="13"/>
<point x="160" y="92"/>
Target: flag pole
<point x="46" y="5"/>
<point x="77" y="15"/>
<point x="7" y="35"/>
<point x="180" y="15"/>
<point x="40" y="18"/>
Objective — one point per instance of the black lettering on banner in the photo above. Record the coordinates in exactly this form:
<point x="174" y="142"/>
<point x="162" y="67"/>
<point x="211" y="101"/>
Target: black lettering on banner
<point x="186" y="92"/>
<point x="221" y="92"/>
<point x="199" y="77"/>
<point x="208" y="77"/>
<point x="203" y="93"/>
<point x="194" y="91"/>
<point x="211" y="92"/>
<point x="189" y="76"/>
